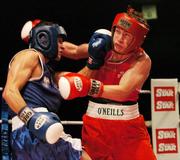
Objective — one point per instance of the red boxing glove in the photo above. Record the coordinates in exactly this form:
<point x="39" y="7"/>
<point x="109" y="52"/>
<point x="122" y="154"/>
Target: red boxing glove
<point x="74" y="85"/>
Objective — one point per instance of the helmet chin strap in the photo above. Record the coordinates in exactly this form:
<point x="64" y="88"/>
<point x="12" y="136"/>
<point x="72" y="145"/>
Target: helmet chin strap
<point x="121" y="53"/>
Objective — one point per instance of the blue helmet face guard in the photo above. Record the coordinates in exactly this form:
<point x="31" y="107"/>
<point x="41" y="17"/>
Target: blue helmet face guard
<point x="44" y="38"/>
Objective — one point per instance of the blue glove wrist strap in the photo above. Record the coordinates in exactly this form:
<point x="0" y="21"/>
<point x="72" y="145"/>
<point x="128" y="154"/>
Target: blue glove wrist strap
<point x="25" y="114"/>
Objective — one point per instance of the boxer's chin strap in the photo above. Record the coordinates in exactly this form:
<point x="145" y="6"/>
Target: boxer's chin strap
<point x="126" y="53"/>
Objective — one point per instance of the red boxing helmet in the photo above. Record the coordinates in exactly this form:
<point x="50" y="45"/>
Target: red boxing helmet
<point x="134" y="24"/>
<point x="25" y="31"/>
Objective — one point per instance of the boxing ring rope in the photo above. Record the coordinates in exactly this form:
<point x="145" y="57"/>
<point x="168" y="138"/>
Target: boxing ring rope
<point x="66" y="122"/>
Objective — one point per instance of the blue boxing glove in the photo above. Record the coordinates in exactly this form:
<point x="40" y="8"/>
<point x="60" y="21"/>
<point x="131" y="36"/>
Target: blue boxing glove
<point x="99" y="45"/>
<point x="44" y="125"/>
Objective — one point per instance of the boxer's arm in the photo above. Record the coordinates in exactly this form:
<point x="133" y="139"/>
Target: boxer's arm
<point x="45" y="125"/>
<point x="133" y="79"/>
<point x="73" y="51"/>
<point x="19" y="73"/>
<point x="90" y="73"/>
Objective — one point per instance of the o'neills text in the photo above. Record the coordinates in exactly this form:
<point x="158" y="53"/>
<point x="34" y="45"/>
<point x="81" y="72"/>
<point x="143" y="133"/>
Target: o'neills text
<point x="110" y="111"/>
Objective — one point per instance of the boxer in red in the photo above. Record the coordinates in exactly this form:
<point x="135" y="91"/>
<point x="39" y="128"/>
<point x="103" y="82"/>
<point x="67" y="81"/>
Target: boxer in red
<point x="113" y="128"/>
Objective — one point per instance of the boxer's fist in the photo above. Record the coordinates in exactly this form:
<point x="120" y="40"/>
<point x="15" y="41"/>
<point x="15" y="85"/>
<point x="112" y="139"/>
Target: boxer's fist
<point x="44" y="125"/>
<point x="99" y="45"/>
<point x="74" y="85"/>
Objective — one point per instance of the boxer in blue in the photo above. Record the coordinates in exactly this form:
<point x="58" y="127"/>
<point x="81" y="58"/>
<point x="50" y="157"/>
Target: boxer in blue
<point x="32" y="94"/>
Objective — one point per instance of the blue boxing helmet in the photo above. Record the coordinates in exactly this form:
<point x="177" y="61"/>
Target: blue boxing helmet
<point x="43" y="36"/>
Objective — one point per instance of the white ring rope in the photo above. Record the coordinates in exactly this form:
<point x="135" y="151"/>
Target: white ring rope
<point x="145" y="91"/>
<point x="148" y="123"/>
<point x="65" y="122"/>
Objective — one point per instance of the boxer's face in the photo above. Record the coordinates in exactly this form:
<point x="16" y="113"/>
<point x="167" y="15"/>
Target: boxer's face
<point x="121" y="40"/>
<point x="60" y="49"/>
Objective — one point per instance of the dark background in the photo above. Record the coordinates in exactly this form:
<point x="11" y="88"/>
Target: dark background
<point x="81" y="18"/>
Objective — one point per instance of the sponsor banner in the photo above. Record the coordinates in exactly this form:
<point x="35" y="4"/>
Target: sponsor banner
<point x="165" y="118"/>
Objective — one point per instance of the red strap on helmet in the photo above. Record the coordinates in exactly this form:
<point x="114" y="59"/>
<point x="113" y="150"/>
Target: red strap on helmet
<point x="27" y="28"/>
